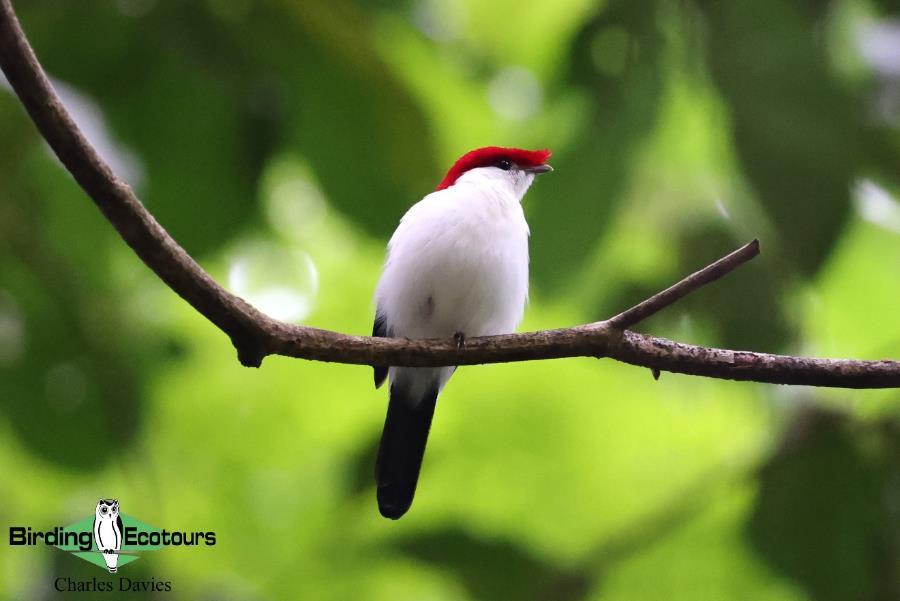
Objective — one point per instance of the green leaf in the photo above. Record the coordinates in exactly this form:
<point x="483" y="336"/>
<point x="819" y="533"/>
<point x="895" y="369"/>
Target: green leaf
<point x="823" y="516"/>
<point x="577" y="204"/>
<point x="796" y="130"/>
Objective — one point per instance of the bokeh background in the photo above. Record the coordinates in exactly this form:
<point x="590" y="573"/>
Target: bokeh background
<point x="280" y="142"/>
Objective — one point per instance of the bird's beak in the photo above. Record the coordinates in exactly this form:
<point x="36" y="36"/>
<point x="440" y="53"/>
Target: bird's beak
<point x="538" y="169"/>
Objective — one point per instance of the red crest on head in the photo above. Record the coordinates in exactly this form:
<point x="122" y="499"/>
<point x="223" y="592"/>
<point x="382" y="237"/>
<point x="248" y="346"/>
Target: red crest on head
<point x="489" y="155"/>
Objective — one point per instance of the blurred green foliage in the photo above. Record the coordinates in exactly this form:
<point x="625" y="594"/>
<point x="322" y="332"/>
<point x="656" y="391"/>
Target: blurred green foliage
<point x="280" y="141"/>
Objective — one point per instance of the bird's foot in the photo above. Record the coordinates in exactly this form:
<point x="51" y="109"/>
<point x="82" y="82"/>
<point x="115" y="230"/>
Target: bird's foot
<point x="460" y="339"/>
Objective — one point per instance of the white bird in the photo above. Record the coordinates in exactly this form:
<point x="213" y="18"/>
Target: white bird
<point x="457" y="266"/>
<point x="108" y="532"/>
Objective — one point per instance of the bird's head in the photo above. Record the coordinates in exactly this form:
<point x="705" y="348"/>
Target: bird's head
<point x="512" y="166"/>
<point x="107" y="509"/>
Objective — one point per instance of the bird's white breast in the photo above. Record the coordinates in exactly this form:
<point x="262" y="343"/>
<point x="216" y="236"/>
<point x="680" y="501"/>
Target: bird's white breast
<point x="458" y="262"/>
<point x="108" y="536"/>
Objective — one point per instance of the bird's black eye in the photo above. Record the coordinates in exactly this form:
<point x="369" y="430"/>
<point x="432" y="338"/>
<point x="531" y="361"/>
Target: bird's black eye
<point x="103" y="509"/>
<point x="504" y="164"/>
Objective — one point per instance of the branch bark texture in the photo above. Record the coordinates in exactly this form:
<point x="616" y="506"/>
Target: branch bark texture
<point x="256" y="335"/>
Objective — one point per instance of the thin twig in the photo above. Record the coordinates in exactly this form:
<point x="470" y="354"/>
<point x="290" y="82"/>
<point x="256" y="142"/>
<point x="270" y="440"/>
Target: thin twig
<point x="661" y="300"/>
<point x="256" y="335"/>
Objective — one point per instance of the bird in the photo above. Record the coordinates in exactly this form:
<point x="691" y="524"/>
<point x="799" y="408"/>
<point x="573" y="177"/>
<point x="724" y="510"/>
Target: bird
<point x="456" y="267"/>
<point x="108" y="532"/>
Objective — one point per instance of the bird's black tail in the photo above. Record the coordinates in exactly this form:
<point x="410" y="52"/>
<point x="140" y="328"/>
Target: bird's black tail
<point x="402" y="448"/>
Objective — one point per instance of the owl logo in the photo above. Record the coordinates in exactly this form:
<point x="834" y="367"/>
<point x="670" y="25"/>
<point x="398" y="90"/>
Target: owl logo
<point x="108" y="532"/>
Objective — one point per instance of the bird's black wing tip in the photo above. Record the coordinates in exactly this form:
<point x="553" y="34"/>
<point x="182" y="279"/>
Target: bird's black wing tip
<point x="379" y="329"/>
<point x="389" y="505"/>
<point x="402" y="448"/>
<point x="381" y="374"/>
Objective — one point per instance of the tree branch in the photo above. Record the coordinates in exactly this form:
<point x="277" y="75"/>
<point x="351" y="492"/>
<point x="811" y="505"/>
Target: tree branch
<point x="256" y="335"/>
